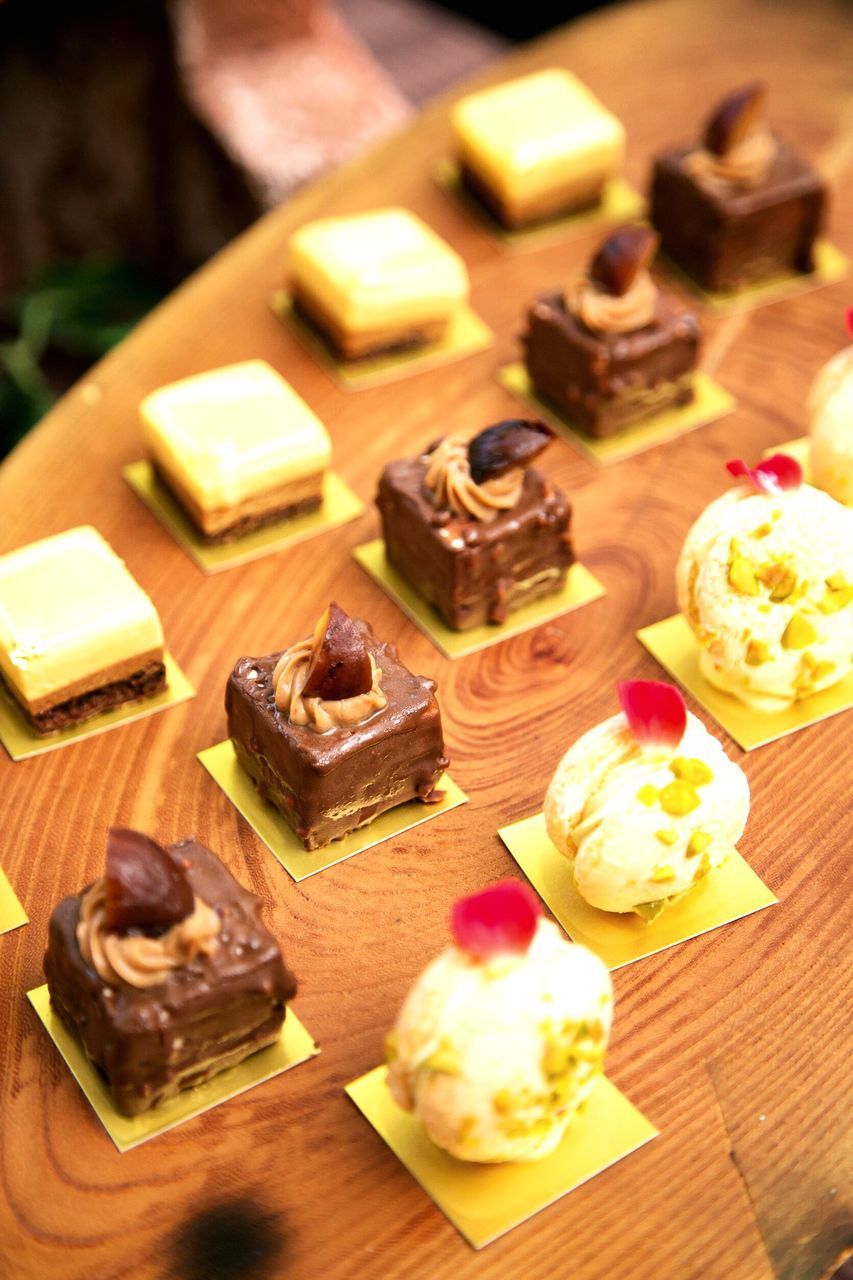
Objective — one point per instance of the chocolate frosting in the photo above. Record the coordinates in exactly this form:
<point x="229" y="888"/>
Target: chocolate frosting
<point x="212" y="1012"/>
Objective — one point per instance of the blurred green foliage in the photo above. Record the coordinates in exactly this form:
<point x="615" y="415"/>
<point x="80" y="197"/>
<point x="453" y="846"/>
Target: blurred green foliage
<point x="69" y="315"/>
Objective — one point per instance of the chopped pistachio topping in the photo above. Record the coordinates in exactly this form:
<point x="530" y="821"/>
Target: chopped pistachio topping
<point x="662" y="873"/>
<point x="647" y="794"/>
<point x="679" y="797"/>
<point x="698" y="843"/>
<point x="798" y="633"/>
<point x="742" y="576"/>
<point x="702" y="868"/>
<point x="837" y="596"/>
<point x="667" y="837"/>
<point x="762" y="530"/>
<point x="692" y="770"/>
<point x="757" y="651"/>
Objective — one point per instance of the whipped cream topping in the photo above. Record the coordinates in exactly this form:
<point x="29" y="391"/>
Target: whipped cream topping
<point x="746" y="165"/>
<point x="321" y="714"/>
<point x="448" y="479"/>
<point x="135" y="958"/>
<point x="605" y="312"/>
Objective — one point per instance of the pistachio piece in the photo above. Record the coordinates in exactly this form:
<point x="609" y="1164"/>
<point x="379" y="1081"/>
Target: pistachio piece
<point x="757" y="652"/>
<point x="621" y="258"/>
<point x="780" y="578"/>
<point x="837" y="595"/>
<point x="698" y="843"/>
<point x="679" y="797"/>
<point x="661" y="874"/>
<point x="735" y="118"/>
<point x="799" y="632"/>
<point x="647" y="794"/>
<point x="742" y="576"/>
<point x="692" y="770"/>
<point x="514" y="442"/>
<point x="668" y="837"/>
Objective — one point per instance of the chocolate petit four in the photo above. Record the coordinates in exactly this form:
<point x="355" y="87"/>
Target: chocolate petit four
<point x="372" y="282"/>
<point x="741" y="207"/>
<point x="614" y="349"/>
<point x="536" y="147"/>
<point x="335" y="730"/>
<point x="164" y="970"/>
<point x="473" y="527"/>
<point x="78" y="635"/>
<point x="237" y="447"/>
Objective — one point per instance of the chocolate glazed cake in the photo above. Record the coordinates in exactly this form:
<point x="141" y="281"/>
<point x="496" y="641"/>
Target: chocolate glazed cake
<point x="205" y="1015"/>
<point x="327" y="783"/>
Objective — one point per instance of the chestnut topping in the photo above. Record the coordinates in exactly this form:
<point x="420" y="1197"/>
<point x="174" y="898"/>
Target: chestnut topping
<point x="508" y="444"/>
<point x="622" y="257"/>
<point x="735" y="118"/>
<point x="340" y="664"/>
<point x="145" y="889"/>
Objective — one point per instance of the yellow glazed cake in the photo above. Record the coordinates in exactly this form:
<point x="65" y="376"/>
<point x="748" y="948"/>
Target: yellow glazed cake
<point x="831" y="427"/>
<point x="374" y="281"/>
<point x="237" y="447"/>
<point x="538" y="146"/>
<point x="78" y="635"/>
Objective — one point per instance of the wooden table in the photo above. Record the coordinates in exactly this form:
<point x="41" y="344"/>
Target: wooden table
<point x="734" y="1044"/>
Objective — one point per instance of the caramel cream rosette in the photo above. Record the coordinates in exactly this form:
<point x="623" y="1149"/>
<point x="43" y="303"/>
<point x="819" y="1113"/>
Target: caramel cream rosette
<point x="831" y="427"/>
<point x="482" y="476"/>
<point x="329" y="681"/>
<point x="501" y="1039"/>
<point x="642" y="822"/>
<point x="618" y="295"/>
<point x="141" y="921"/>
<point x="765" y="580"/>
<point x="738" y="148"/>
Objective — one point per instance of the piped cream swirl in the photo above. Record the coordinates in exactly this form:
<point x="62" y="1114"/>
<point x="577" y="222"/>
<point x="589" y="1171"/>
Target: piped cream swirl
<point x="745" y="165"/>
<point x="321" y="714"/>
<point x="448" y="479"/>
<point x="136" y="959"/>
<point x="609" y="313"/>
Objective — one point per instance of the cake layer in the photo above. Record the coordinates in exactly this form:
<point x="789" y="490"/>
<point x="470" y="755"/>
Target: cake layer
<point x="606" y="381"/>
<point x="233" y="436"/>
<point x="472" y="572"/>
<point x="327" y="784"/>
<point x="69" y="612"/>
<point x="222" y="524"/>
<point x="206" y="1016"/>
<point x="727" y="237"/>
<point x="375" y="272"/>
<point x="539" y="144"/>
<point x="368" y="342"/>
<point x="570" y="196"/>
<point x="49" y="715"/>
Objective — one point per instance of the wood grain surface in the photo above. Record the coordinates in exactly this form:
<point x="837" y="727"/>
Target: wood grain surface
<point x="736" y="1045"/>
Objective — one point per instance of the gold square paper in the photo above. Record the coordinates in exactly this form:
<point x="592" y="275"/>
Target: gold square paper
<point x="293" y="1046"/>
<point x="619" y="203"/>
<point x="265" y="820"/>
<point x="710" y="401"/>
<point x="483" y="1201"/>
<point x="466" y="334"/>
<point x="728" y="893"/>
<point x="12" y="914"/>
<point x="674" y="646"/>
<point x="831" y="265"/>
<point x="338" y="506"/>
<point x="22" y="741"/>
<point x="580" y="588"/>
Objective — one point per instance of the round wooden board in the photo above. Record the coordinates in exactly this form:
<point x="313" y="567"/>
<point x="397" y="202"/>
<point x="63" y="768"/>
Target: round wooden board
<point x="732" y="1044"/>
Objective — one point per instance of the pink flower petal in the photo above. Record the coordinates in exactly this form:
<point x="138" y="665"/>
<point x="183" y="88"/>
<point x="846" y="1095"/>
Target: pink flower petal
<point x="655" y="711"/>
<point x="500" y="918"/>
<point x="774" y="475"/>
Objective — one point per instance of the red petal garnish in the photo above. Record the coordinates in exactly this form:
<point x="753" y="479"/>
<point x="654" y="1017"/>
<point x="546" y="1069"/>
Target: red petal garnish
<point x="655" y="711"/>
<point x="848" y="320"/>
<point x="774" y="475"/>
<point x="500" y="918"/>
